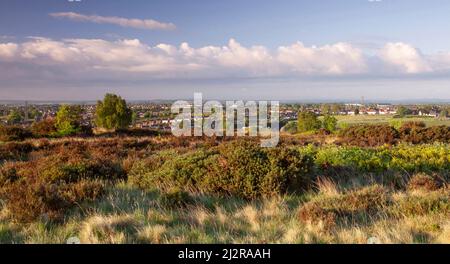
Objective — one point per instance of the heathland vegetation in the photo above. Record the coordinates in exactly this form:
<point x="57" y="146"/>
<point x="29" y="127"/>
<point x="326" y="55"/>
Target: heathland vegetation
<point x="343" y="186"/>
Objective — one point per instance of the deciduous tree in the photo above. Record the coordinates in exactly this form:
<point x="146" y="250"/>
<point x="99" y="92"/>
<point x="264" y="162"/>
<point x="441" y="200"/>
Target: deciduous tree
<point x="113" y="113"/>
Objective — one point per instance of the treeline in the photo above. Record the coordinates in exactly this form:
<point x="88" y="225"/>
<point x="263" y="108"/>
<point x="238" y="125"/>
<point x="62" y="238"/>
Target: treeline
<point x="378" y="135"/>
<point x="111" y="114"/>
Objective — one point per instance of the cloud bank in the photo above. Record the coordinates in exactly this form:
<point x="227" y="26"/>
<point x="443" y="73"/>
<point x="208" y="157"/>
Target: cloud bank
<point x="130" y="58"/>
<point x="149" y="24"/>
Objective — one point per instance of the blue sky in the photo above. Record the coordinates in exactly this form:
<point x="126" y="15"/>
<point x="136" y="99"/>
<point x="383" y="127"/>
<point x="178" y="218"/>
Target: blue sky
<point x="322" y="49"/>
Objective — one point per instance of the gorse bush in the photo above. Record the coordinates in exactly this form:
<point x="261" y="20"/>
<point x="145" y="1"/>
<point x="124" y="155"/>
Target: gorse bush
<point x="243" y="169"/>
<point x="421" y="158"/>
<point x="169" y="169"/>
<point x="88" y="169"/>
<point x="410" y="158"/>
<point x="246" y="170"/>
<point x="240" y="168"/>
<point x="361" y="159"/>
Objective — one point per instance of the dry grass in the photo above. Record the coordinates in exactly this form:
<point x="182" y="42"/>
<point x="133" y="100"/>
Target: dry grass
<point x="115" y="229"/>
<point x="127" y="215"/>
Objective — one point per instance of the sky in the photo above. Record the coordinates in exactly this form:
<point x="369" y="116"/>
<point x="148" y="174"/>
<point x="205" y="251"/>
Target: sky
<point x="255" y="49"/>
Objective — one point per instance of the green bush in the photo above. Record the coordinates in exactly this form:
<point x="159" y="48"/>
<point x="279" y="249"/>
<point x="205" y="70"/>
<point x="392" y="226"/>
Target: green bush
<point x="85" y="169"/>
<point x="170" y="169"/>
<point x="361" y="159"/>
<point x="410" y="158"/>
<point x="330" y="123"/>
<point x="246" y="170"/>
<point x="240" y="168"/>
<point x="421" y="158"/>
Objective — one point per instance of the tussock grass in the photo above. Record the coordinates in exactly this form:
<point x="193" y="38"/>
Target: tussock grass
<point x="129" y="215"/>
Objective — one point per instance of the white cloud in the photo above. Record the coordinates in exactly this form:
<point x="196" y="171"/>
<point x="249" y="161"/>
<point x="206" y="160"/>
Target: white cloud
<point x="120" y="21"/>
<point x="404" y="58"/>
<point x="340" y="58"/>
<point x="8" y="50"/>
<point x="130" y="58"/>
<point x="43" y="50"/>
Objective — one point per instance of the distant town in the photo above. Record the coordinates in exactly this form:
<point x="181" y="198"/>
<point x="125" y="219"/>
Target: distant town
<point x="158" y="116"/>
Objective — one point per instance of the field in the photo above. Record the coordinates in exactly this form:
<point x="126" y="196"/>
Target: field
<point x="388" y="119"/>
<point x="161" y="189"/>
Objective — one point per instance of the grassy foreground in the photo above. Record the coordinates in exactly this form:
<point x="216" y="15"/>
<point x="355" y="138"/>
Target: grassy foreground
<point x="129" y="215"/>
<point x="160" y="190"/>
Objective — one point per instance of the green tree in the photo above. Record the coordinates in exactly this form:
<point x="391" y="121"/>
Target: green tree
<point x="68" y="120"/>
<point x="134" y="117"/>
<point x="14" y="117"/>
<point x="444" y="113"/>
<point x="330" y="123"/>
<point x="290" y="127"/>
<point x="113" y="113"/>
<point x="34" y="113"/>
<point x="308" y="121"/>
<point x="403" y="111"/>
